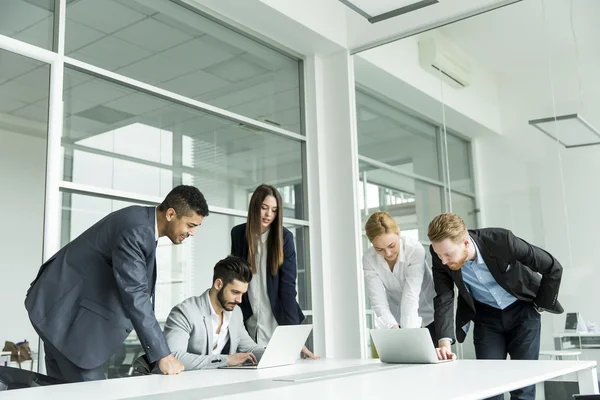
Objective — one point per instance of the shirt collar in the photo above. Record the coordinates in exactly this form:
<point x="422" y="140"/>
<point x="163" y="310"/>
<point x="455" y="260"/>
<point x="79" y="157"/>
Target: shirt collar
<point x="479" y="258"/>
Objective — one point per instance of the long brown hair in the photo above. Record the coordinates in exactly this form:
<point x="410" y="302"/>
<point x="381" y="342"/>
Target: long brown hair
<point x="253" y="231"/>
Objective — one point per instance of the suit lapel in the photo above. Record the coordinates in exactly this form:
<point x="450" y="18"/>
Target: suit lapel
<point x="209" y="333"/>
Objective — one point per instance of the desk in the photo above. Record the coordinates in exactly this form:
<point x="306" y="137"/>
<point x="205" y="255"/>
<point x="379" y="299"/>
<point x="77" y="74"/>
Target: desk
<point x="588" y="343"/>
<point x="458" y="380"/>
<point x="565" y="341"/>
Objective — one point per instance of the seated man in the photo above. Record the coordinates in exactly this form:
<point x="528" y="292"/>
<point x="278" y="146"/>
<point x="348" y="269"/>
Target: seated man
<point x="208" y="331"/>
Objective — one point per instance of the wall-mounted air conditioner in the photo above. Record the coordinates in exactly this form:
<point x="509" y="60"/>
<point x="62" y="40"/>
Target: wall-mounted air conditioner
<point x="443" y="59"/>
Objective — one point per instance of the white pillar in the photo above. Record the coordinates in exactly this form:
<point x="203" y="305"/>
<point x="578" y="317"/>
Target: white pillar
<point x="332" y="169"/>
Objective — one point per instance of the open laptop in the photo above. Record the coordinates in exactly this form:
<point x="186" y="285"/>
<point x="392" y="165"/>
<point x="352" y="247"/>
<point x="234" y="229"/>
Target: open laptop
<point x="405" y="346"/>
<point x="283" y="348"/>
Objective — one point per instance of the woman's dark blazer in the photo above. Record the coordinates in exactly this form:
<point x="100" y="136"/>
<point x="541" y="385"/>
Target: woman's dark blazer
<point x="281" y="287"/>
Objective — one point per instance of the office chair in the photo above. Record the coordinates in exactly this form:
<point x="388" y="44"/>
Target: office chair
<point x="15" y="378"/>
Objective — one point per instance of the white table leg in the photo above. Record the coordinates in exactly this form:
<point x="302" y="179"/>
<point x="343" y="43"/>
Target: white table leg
<point x="588" y="381"/>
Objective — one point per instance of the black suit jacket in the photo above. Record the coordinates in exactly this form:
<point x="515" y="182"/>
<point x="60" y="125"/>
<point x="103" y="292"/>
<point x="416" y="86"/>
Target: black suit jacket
<point x="534" y="276"/>
<point x="281" y="287"/>
<point x="87" y="297"/>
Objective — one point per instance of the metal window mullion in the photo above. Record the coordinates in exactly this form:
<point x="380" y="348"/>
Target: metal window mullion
<point x="177" y="98"/>
<point x="112" y="194"/>
<point x="27" y="50"/>
<point x="466" y="194"/>
<point x="52" y="205"/>
<point x="441" y="158"/>
<point x="395" y="170"/>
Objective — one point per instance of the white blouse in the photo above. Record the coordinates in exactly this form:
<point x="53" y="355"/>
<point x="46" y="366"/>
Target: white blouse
<point x="403" y="297"/>
<point x="219" y="339"/>
<point x="262" y="323"/>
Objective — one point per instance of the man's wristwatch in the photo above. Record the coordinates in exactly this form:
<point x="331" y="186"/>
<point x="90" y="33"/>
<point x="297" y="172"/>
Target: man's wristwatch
<point x="538" y="308"/>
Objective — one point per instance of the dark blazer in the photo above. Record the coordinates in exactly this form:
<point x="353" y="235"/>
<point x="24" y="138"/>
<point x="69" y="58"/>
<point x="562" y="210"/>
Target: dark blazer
<point x="87" y="297"/>
<point x="534" y="276"/>
<point x="281" y="288"/>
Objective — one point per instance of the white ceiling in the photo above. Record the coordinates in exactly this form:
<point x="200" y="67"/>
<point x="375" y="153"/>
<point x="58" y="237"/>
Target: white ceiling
<point x="521" y="36"/>
<point x="545" y="56"/>
<point x="362" y="34"/>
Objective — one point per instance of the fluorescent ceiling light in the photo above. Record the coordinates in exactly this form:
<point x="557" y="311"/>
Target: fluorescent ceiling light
<point x="379" y="10"/>
<point x="572" y="130"/>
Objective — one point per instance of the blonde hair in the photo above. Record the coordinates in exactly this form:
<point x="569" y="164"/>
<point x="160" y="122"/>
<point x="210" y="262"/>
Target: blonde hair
<point x="447" y="226"/>
<point x="379" y="223"/>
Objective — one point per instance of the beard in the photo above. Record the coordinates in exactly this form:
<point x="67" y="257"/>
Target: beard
<point x="227" y="306"/>
<point x="458" y="265"/>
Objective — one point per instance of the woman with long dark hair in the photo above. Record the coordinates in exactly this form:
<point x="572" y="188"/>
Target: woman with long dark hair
<point x="269" y="248"/>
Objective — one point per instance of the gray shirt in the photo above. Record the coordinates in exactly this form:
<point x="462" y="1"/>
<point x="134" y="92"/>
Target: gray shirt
<point x="189" y="333"/>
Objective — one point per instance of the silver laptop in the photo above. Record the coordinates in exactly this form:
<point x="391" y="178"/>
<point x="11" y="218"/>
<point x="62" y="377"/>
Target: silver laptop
<point x="405" y="346"/>
<point x="283" y="349"/>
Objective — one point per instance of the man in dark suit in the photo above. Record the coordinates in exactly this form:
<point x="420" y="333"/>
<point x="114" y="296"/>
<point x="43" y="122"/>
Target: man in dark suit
<point x="88" y="297"/>
<point x="504" y="284"/>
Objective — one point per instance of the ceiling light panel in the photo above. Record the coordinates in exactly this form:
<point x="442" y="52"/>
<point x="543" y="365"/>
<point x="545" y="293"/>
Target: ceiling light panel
<point x="380" y="10"/>
<point x="572" y="130"/>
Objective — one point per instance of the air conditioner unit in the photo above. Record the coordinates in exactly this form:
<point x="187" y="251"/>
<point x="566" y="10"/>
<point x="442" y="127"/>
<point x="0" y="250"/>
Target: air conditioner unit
<point x="443" y="59"/>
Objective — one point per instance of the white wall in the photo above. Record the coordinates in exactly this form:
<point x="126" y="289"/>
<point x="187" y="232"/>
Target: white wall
<point x="472" y="110"/>
<point x="22" y="177"/>
<point x="542" y="191"/>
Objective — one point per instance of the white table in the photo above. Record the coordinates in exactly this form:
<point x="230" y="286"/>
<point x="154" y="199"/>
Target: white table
<point x="459" y="380"/>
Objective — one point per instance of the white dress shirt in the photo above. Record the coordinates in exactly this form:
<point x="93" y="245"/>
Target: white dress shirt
<point x="403" y="297"/>
<point x="221" y="337"/>
<point x="262" y="323"/>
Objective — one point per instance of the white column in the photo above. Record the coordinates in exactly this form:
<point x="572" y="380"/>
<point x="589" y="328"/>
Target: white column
<point x="332" y="168"/>
<point x="53" y="157"/>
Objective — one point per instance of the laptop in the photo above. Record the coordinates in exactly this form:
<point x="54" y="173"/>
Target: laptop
<point x="283" y="349"/>
<point x="405" y="346"/>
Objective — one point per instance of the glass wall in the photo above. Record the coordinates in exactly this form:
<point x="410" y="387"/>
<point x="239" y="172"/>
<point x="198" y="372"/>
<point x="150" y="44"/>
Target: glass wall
<point x="155" y="94"/>
<point x="173" y="47"/>
<point x="403" y="170"/>
<point x="537" y="180"/>
<point x="24" y="89"/>
<point x="31" y="21"/>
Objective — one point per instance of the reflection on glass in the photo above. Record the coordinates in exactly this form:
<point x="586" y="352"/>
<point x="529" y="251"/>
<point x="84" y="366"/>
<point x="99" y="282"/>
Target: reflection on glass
<point x="459" y="163"/>
<point x="389" y="135"/>
<point x="173" y="143"/>
<point x="24" y="87"/>
<point x="174" y="48"/>
<point x="411" y="202"/>
<point x="31" y="21"/>
<point x="465" y="207"/>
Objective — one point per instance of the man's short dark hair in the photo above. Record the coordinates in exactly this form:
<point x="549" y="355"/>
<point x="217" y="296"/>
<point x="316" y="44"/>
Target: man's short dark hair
<point x="184" y="200"/>
<point x="232" y="268"/>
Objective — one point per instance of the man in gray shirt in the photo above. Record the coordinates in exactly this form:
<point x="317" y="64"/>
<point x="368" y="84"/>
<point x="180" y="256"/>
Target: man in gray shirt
<point x="207" y="331"/>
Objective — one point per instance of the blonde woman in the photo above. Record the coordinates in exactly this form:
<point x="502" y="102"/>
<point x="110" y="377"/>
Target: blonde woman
<point x="399" y="282"/>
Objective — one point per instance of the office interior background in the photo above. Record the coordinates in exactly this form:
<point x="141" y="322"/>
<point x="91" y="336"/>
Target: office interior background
<point x="105" y="104"/>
